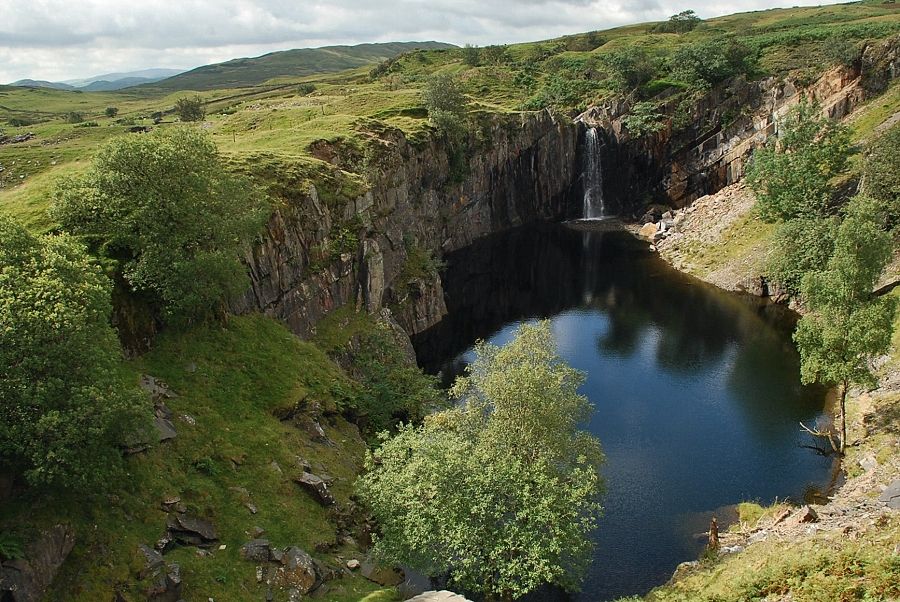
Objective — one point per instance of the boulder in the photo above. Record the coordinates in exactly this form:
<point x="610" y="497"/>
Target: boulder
<point x="648" y="230"/>
<point x="297" y="571"/>
<point x="257" y="550"/>
<point x="153" y="561"/>
<point x="317" y="487"/>
<point x="353" y="564"/>
<point x="805" y="515"/>
<point x="166" y="585"/>
<point x="190" y="530"/>
<point x="26" y="579"/>
<point x="891" y="495"/>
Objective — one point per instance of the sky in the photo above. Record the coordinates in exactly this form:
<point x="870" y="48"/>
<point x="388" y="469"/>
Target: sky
<point x="66" y="39"/>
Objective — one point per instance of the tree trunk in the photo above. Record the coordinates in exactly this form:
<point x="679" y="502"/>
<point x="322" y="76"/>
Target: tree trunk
<point x="843" y="417"/>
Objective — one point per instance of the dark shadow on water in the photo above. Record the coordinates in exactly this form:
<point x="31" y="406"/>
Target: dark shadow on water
<point x="696" y="392"/>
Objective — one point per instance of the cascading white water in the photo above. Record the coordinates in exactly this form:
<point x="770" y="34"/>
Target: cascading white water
<point x="593" y="177"/>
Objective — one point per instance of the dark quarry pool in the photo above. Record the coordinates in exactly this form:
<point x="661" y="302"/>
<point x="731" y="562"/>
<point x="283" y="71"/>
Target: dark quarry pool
<point x="696" y="392"/>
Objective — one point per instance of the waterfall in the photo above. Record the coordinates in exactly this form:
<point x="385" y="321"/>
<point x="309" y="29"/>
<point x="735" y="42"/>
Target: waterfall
<point x="593" y="177"/>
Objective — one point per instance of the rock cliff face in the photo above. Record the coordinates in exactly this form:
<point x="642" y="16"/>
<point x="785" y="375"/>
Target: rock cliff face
<point x="718" y="133"/>
<point x="520" y="170"/>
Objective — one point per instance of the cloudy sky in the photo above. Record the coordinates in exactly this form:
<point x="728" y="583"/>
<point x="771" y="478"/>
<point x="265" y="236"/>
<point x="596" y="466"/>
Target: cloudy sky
<point x="66" y="39"/>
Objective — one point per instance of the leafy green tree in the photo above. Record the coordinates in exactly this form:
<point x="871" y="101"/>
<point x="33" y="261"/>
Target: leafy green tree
<point x="705" y="64"/>
<point x="497" y="54"/>
<point x="501" y="491"/>
<point x="800" y="246"/>
<point x="847" y="327"/>
<point x="66" y="408"/>
<point x="791" y="176"/>
<point x="629" y="68"/>
<point x="881" y="173"/>
<point x="644" y="119"/>
<point x="471" y="55"/>
<point x="74" y="117"/>
<point x="190" y="108"/>
<point x="683" y="22"/>
<point x="167" y="208"/>
<point x="111" y="111"/>
<point x="446" y="104"/>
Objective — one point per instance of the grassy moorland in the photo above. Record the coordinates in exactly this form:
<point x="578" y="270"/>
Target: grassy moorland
<point x="278" y="119"/>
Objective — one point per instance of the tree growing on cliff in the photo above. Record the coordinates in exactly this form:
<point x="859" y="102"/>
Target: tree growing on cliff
<point x="881" y="175"/>
<point x="792" y="175"/>
<point x="446" y="104"/>
<point x="847" y="326"/>
<point x="166" y="208"/>
<point x="501" y="491"/>
<point x="66" y="408"/>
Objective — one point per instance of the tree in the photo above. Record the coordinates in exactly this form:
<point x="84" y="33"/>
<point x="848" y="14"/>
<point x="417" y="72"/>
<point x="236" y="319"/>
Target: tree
<point x="471" y="55"/>
<point x="74" y="117"/>
<point x="800" y="246"/>
<point x="446" y="104"/>
<point x="190" y="109"/>
<point x="164" y="205"/>
<point x="66" y="409"/>
<point x="501" y="491"/>
<point x="629" y="68"/>
<point x="705" y="64"/>
<point x="791" y="176"/>
<point x="111" y="111"/>
<point x="683" y="22"/>
<point x="881" y="175"/>
<point x="847" y="327"/>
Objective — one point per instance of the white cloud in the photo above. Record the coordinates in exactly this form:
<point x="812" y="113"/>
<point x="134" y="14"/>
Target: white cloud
<point x="65" y="39"/>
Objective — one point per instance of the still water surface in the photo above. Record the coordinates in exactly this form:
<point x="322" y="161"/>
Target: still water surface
<point x="696" y="392"/>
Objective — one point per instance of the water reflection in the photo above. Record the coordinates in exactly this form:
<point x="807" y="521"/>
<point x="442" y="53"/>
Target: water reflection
<point x="697" y="393"/>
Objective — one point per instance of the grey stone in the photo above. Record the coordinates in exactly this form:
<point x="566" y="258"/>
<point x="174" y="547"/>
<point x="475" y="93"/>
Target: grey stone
<point x="153" y="560"/>
<point x="317" y="487"/>
<point x="891" y="495"/>
<point x="165" y="429"/>
<point x="297" y="571"/>
<point x="26" y="579"/>
<point x="191" y="530"/>
<point x="257" y="550"/>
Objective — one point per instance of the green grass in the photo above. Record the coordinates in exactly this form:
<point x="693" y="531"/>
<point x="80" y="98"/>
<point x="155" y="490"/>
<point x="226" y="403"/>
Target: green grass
<point x="230" y="380"/>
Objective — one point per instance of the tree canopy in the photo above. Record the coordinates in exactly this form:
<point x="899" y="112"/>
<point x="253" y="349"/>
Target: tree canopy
<point x="66" y="408"/>
<point x="501" y="491"/>
<point x="847" y="326"/>
<point x="791" y="176"/>
<point x="882" y="175"/>
<point x="167" y="208"/>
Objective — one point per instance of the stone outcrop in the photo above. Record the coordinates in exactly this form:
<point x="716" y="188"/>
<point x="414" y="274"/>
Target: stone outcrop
<point x="677" y="165"/>
<point x="521" y="170"/>
<point x="27" y="579"/>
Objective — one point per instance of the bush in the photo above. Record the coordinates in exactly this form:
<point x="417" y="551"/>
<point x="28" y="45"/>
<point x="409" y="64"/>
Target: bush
<point x="166" y="208"/>
<point x="800" y="246"/>
<point x="471" y="55"/>
<point x="629" y="68"/>
<point x="66" y="407"/>
<point x="74" y="117"/>
<point x="791" y="176"/>
<point x="306" y="89"/>
<point x="881" y="172"/>
<point x="111" y="111"/>
<point x="644" y="119"/>
<point x="841" y="51"/>
<point x="683" y="22"/>
<point x="705" y="64"/>
<point x="190" y="109"/>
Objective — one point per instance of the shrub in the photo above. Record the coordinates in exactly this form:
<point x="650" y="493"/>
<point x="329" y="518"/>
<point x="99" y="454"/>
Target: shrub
<point x="306" y="89"/>
<point x="66" y="407"/>
<point x="74" y="117"/>
<point x="164" y="205"/>
<point x="190" y="109"/>
<point x="800" y="246"/>
<point x="471" y="55"/>
<point x="629" y="68"/>
<point x="111" y="111"/>
<point x="881" y="172"/>
<point x="706" y="64"/>
<point x="792" y="174"/>
<point x="644" y="119"/>
<point x="683" y="22"/>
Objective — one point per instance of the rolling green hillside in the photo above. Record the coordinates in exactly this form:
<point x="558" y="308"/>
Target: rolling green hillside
<point x="301" y="62"/>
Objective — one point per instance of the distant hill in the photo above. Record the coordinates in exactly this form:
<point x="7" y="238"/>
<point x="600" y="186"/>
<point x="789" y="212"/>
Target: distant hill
<point x="105" y="83"/>
<point x="39" y="83"/>
<point x="297" y="63"/>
